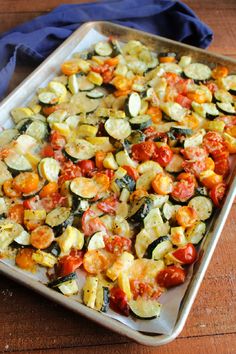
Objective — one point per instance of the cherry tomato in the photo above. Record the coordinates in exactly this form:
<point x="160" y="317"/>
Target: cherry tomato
<point x="183" y="190"/>
<point x="217" y="193"/>
<point x="119" y="93"/>
<point x="47" y="110"/>
<point x="121" y="83"/>
<point x="219" y="71"/>
<point x="24" y="259"/>
<point x="119" y="301"/>
<point x="49" y="189"/>
<point x="211" y="86"/>
<point x="68" y="172"/>
<point x="16" y="213"/>
<point x="194" y="167"/>
<point x="189" y="177"/>
<point x="155" y="113"/>
<point x="57" y="140"/>
<point x="26" y="182"/>
<point x="132" y="172"/>
<point x="117" y="244"/>
<point x="230" y="121"/>
<point x="209" y="178"/>
<point x="108" y="75"/>
<point x="186" y="216"/>
<point x="171" y="276"/>
<point x="186" y="254"/>
<point x="222" y="166"/>
<point x="143" y="151"/>
<point x="91" y="223"/>
<point x="144" y="289"/>
<point x="99" y="157"/>
<point x="95" y="262"/>
<point x="69" y="67"/>
<point x="108" y="205"/>
<point x="213" y="142"/>
<point x="210" y="164"/>
<point x="86" y="167"/>
<point x="112" y="61"/>
<point x="68" y="264"/>
<point x="9" y="189"/>
<point x="42" y="237"/>
<point x="172" y="78"/>
<point x="47" y="151"/>
<point x="162" y="184"/>
<point x="163" y="155"/>
<point x="194" y="153"/>
<point x="52" y="201"/>
<point x="184" y="101"/>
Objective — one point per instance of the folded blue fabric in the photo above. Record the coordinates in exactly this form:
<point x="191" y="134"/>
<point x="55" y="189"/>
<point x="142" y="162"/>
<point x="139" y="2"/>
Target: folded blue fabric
<point x="36" y="39"/>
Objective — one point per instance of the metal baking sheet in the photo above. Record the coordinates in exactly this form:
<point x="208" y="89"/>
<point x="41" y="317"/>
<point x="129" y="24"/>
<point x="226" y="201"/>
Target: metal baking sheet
<point x="41" y="76"/>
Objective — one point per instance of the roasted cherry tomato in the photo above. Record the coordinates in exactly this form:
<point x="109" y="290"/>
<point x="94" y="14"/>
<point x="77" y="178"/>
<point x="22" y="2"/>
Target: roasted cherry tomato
<point x="132" y="172"/>
<point x="16" y="213"/>
<point x="186" y="216"/>
<point x="49" y="189"/>
<point x="26" y="182"/>
<point x="143" y="151"/>
<point x="183" y="190"/>
<point x="163" y="155"/>
<point x="24" y="259"/>
<point x="69" y="67"/>
<point x="42" y="237"/>
<point x="194" y="153"/>
<point x="91" y="223"/>
<point x="108" y="205"/>
<point x="117" y="244"/>
<point x="47" y="151"/>
<point x="68" y="264"/>
<point x="86" y="166"/>
<point x="217" y="193"/>
<point x="186" y="254"/>
<point x="52" y="201"/>
<point x="189" y="177"/>
<point x="9" y="189"/>
<point x="222" y="166"/>
<point x="213" y="142"/>
<point x="57" y="140"/>
<point x="144" y="289"/>
<point x="183" y="101"/>
<point x="219" y="71"/>
<point x="32" y="203"/>
<point x="171" y="276"/>
<point x="95" y="261"/>
<point x="119" y="301"/>
<point x="194" y="167"/>
<point x="162" y="184"/>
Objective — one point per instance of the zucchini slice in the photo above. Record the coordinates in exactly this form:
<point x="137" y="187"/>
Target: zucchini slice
<point x="102" y="298"/>
<point x="17" y="163"/>
<point x="223" y="96"/>
<point x="49" y="169"/>
<point x="195" y="233"/>
<point x="179" y="130"/>
<point x="141" y="122"/>
<point x="67" y="285"/>
<point x="95" y="94"/>
<point x="169" y="210"/>
<point x="6" y="136"/>
<point x="84" y="84"/>
<point x="158" y="248"/>
<point x="104" y="49"/>
<point x="145" y="309"/>
<point x="118" y="128"/>
<point x="96" y="241"/>
<point x="78" y="150"/>
<point x="126" y="182"/>
<point x="197" y="71"/>
<point x="133" y="105"/>
<point x="206" y="110"/>
<point x="171" y="67"/>
<point x="229" y="83"/>
<point x="173" y="111"/>
<point x="37" y="129"/>
<point x="203" y="207"/>
<point x="84" y="187"/>
<point x="48" y="98"/>
<point x="59" y="219"/>
<point x="226" y="108"/>
<point x="134" y="138"/>
<point x="140" y="209"/>
<point x="80" y="103"/>
<point x="79" y="206"/>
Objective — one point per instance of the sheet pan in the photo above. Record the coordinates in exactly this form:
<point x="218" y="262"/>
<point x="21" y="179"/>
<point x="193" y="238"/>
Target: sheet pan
<point x="84" y="37"/>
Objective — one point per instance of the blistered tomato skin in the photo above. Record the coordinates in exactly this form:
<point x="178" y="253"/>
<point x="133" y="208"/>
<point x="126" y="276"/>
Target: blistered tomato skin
<point x="171" y="276"/>
<point x="186" y="254"/>
<point x="143" y="151"/>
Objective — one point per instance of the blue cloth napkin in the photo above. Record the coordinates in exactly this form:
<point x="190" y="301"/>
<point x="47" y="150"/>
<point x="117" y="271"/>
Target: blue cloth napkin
<point x="36" y="39"/>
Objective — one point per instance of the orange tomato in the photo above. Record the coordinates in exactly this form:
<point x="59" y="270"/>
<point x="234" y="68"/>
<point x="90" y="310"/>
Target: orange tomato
<point x="24" y="259"/>
<point x="26" y="182"/>
<point x="167" y="59"/>
<point x="47" y="110"/>
<point x="103" y="181"/>
<point x="219" y="72"/>
<point x="42" y="237"/>
<point x="162" y="184"/>
<point x="112" y="61"/>
<point x="49" y="189"/>
<point x="9" y="190"/>
<point x="121" y="83"/>
<point x="16" y="213"/>
<point x="155" y="113"/>
<point x="210" y="164"/>
<point x="120" y="93"/>
<point x="209" y="178"/>
<point x="99" y="157"/>
<point x="198" y="97"/>
<point x="186" y="216"/>
<point x="95" y="262"/>
<point x="69" y="67"/>
<point x="137" y="195"/>
<point x="231" y="131"/>
<point x="191" y="122"/>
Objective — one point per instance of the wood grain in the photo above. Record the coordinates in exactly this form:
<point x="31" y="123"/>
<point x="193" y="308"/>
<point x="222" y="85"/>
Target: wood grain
<point x="31" y="324"/>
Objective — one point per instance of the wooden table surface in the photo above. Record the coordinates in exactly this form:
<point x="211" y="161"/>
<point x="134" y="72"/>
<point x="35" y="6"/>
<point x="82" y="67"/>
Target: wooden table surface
<point x="32" y="324"/>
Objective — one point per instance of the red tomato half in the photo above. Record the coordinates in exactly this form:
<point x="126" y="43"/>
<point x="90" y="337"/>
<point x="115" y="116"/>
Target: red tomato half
<point x="217" y="193"/>
<point x="194" y="167"/>
<point x="163" y="155"/>
<point x="47" y="151"/>
<point x="194" y="153"/>
<point x="144" y="289"/>
<point x="68" y="264"/>
<point x="132" y="172"/>
<point x="171" y="276"/>
<point x="183" y="101"/>
<point x="152" y="134"/>
<point x="119" y="301"/>
<point x="57" y="140"/>
<point x="213" y="143"/>
<point x="86" y="166"/>
<point x="108" y="205"/>
<point x="186" y="254"/>
<point x="143" y="151"/>
<point x="117" y="244"/>
<point x="183" y="190"/>
<point x="91" y="223"/>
